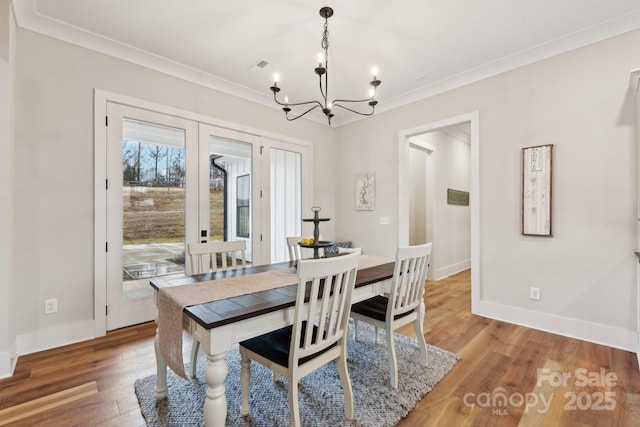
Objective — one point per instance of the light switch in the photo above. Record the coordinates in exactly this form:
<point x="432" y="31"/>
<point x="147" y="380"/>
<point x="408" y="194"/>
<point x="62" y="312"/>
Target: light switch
<point x="384" y="220"/>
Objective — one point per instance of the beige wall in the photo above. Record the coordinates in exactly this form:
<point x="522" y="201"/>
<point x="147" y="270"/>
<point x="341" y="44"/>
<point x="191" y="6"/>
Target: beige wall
<point x="54" y="172"/>
<point x="578" y="101"/>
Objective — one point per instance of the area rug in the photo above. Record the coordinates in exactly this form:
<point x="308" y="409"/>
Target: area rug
<point x="320" y="393"/>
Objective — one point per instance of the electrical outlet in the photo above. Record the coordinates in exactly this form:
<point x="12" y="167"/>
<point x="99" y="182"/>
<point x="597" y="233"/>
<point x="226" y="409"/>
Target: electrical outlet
<point x="534" y="293"/>
<point x="50" y="306"/>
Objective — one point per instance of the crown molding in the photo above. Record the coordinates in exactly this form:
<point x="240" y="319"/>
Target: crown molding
<point x="28" y="18"/>
<point x="547" y="50"/>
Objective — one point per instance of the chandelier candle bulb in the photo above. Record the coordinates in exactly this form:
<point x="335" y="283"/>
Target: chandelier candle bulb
<point x="275" y="89"/>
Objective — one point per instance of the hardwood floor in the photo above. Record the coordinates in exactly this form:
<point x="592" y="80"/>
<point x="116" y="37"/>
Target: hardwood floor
<point x="91" y="383"/>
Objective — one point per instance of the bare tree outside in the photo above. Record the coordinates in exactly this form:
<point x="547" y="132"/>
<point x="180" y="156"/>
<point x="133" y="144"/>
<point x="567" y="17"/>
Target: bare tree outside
<point x="153" y="193"/>
<point x="157" y="153"/>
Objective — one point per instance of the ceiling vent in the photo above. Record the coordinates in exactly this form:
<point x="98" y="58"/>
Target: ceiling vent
<point x="259" y="65"/>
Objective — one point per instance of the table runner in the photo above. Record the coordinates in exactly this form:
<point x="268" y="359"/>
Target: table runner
<point x="173" y="300"/>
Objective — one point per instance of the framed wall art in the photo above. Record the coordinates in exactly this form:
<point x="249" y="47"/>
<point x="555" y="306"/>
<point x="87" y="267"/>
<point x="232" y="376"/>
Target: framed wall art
<point x="457" y="197"/>
<point x="536" y="190"/>
<point x="365" y="191"/>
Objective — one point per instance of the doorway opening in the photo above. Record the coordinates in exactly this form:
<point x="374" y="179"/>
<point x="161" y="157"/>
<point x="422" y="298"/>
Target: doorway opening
<point x="438" y="209"/>
<point x="410" y="140"/>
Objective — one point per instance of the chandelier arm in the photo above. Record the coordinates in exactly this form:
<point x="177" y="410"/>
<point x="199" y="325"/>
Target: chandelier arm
<point x="352" y="100"/>
<point x="302" y="114"/>
<point x="318" y="104"/>
<point x="294" y="104"/>
<point x="322" y="70"/>
<point x="354" y="111"/>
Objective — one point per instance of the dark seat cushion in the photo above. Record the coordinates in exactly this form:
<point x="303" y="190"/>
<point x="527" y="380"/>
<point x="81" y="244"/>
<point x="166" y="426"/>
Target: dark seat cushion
<point x="275" y="345"/>
<point x="376" y="308"/>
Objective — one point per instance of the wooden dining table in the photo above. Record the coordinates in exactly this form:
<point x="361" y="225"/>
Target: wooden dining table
<point x="220" y="324"/>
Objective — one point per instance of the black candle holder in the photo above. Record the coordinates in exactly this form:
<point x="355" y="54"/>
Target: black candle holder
<point x="317" y="244"/>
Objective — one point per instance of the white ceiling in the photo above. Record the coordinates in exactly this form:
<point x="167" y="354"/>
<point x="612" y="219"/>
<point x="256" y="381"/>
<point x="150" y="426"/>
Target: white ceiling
<point x="420" y="47"/>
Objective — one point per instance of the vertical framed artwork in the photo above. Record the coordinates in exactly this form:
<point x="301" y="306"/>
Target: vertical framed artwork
<point x="536" y="190"/>
<point x="365" y="191"/>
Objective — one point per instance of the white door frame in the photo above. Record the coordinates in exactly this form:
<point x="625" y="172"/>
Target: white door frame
<point x="101" y="98"/>
<point x="634" y="83"/>
<point x="474" y="197"/>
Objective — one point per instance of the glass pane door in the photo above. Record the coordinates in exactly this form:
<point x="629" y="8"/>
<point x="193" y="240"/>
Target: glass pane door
<point x="172" y="181"/>
<point x="228" y="212"/>
<point x="150" y="187"/>
<point x="153" y="204"/>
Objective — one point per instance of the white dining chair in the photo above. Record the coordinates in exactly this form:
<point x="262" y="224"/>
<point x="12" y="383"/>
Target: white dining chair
<point x="317" y="336"/>
<point x="203" y="258"/>
<point x="295" y="252"/>
<point x="402" y="305"/>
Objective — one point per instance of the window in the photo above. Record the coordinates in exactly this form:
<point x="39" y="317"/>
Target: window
<point x="242" y="206"/>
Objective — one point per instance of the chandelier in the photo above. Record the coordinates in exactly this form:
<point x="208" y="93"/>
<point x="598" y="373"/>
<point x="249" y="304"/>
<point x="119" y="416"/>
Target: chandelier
<point x="322" y="70"/>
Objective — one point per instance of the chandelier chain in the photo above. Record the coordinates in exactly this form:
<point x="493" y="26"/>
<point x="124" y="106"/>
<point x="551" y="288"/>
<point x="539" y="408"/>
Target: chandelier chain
<point x="325" y="36"/>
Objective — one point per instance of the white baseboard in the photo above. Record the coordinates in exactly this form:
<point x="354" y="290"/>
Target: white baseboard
<point x="6" y="365"/>
<point x="580" y="329"/>
<point x="450" y="270"/>
<point x="8" y="361"/>
<point x="55" y="336"/>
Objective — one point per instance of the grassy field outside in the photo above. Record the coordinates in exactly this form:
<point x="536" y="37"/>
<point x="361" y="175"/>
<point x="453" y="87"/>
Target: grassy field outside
<point x="157" y="215"/>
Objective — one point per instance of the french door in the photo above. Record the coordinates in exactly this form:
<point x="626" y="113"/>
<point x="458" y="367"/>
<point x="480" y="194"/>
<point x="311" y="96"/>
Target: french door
<point x="152" y="199"/>
<point x="172" y="181"/>
<point x="228" y="186"/>
<point x="263" y="211"/>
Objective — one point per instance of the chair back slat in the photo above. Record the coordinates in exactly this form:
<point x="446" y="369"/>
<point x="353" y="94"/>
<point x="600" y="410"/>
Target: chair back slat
<point x="326" y="285"/>
<point x="203" y="257"/>
<point x="409" y="279"/>
<point x="310" y="309"/>
<point x="334" y="319"/>
<point x="200" y="263"/>
<point x="295" y="252"/>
